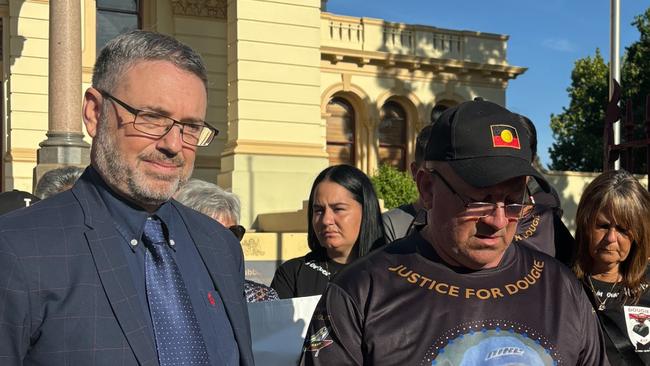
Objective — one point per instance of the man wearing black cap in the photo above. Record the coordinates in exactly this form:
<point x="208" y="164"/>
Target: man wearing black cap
<point x="430" y="298"/>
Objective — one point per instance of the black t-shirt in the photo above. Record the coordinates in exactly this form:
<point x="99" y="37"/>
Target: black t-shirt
<point x="543" y="230"/>
<point x="631" y="321"/>
<point x="401" y="305"/>
<point x="304" y="276"/>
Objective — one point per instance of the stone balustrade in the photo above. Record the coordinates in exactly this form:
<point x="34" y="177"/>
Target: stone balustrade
<point x="377" y="35"/>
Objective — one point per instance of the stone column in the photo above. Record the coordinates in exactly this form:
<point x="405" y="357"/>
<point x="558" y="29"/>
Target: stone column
<point x="64" y="144"/>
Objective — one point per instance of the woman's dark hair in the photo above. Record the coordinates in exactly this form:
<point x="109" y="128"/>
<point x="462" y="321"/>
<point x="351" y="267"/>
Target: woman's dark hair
<point x="618" y="193"/>
<point x="371" y="232"/>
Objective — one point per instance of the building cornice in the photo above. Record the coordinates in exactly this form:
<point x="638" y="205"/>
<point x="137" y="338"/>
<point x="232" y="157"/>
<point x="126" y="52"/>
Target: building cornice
<point x="384" y="59"/>
<point x="216" y="9"/>
<point x="381" y="22"/>
<point x="21" y="154"/>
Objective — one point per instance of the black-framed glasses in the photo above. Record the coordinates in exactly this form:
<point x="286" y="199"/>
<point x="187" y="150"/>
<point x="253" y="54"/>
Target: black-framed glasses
<point x="198" y="133"/>
<point x="238" y="231"/>
<point x="478" y="210"/>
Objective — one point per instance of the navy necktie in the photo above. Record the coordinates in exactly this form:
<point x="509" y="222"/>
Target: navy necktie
<point x="178" y="336"/>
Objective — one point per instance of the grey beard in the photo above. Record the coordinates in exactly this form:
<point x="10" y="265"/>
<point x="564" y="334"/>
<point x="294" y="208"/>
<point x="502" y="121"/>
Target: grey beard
<point x="111" y="165"/>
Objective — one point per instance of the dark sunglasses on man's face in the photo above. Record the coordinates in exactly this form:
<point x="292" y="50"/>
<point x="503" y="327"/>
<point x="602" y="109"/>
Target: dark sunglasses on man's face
<point x="238" y="231"/>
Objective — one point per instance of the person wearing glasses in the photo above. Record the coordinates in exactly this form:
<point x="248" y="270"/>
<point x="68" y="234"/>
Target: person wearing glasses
<point x="457" y="282"/>
<point x="224" y="207"/>
<point x="57" y="180"/>
<point x="114" y="271"/>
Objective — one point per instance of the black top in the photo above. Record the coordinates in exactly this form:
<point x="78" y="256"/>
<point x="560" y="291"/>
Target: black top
<point x="543" y="230"/>
<point x="628" y="322"/>
<point x="304" y="276"/>
<point x="402" y="305"/>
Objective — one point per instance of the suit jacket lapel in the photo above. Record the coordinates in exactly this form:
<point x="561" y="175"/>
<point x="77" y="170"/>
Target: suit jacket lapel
<point x="219" y="261"/>
<point x="114" y="273"/>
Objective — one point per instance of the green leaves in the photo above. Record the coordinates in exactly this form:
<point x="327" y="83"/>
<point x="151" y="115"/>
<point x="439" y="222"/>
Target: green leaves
<point x="394" y="187"/>
<point x="578" y="130"/>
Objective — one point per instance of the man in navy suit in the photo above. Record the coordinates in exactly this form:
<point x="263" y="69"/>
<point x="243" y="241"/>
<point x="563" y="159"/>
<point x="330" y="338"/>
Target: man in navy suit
<point x="113" y="271"/>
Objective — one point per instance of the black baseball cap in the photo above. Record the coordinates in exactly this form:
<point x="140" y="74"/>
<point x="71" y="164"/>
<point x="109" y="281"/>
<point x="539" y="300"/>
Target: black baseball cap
<point x="16" y="199"/>
<point x="484" y="143"/>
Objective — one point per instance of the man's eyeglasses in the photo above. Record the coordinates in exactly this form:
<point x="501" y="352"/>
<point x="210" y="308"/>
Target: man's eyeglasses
<point x="238" y="231"/>
<point x="155" y="124"/>
<point x="478" y="210"/>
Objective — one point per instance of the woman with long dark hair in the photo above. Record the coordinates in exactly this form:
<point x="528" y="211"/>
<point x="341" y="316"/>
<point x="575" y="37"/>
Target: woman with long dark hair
<point x="344" y="223"/>
<point x="613" y="234"/>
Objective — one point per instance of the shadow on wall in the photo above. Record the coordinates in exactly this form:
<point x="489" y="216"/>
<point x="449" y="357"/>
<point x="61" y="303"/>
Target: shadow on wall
<point x="428" y="48"/>
<point x="570" y="186"/>
<point x="11" y="50"/>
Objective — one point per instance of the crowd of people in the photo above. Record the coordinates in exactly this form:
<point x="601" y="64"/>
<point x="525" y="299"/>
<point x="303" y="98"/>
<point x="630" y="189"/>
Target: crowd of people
<point x="130" y="261"/>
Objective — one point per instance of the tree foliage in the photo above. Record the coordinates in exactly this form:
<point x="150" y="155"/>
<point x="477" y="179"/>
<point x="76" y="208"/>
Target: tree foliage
<point x="635" y="74"/>
<point x="394" y="187"/>
<point x="578" y="130"/>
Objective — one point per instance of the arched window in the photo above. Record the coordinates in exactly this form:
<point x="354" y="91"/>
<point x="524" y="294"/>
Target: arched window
<point x="116" y="17"/>
<point x="340" y="132"/>
<point x="392" y="135"/>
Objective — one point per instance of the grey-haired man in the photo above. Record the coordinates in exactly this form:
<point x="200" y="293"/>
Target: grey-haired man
<point x="457" y="290"/>
<point x="113" y="271"/>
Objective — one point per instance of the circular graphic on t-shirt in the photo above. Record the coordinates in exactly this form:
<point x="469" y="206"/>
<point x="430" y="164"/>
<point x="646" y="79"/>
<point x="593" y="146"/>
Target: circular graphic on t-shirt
<point x="491" y="343"/>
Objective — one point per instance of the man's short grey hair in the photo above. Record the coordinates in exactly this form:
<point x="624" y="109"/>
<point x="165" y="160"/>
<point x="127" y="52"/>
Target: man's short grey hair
<point x="125" y="50"/>
<point x="209" y="199"/>
<point x="57" y="180"/>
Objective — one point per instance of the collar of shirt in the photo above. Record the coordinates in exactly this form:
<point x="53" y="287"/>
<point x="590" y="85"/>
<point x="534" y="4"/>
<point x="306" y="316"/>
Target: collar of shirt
<point x="129" y="218"/>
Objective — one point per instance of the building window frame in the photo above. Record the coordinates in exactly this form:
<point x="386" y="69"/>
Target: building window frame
<point x="403" y="145"/>
<point x="138" y="12"/>
<point x="350" y="143"/>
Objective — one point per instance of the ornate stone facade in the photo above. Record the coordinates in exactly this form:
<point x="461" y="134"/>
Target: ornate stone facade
<point x="201" y="8"/>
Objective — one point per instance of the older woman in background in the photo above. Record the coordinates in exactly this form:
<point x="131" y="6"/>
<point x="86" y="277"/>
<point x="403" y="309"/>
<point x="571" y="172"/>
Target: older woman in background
<point x="344" y="223"/>
<point x="224" y="207"/>
<point x="57" y="180"/>
<point x="613" y="234"/>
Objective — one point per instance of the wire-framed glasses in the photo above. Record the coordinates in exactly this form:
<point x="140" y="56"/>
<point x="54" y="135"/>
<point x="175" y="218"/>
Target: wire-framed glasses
<point x="478" y="210"/>
<point x="197" y="133"/>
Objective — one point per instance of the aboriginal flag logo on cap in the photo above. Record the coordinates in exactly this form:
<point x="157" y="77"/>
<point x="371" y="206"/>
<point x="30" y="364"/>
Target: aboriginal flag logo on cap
<point x="505" y="136"/>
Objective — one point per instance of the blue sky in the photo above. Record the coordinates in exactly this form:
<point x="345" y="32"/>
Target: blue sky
<point x="545" y="36"/>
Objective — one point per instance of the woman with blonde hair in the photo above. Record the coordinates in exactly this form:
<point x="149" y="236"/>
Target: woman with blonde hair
<point x="613" y="234"/>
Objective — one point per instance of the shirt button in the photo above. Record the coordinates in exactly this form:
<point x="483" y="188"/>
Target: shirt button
<point x="172" y="242"/>
<point x="134" y="242"/>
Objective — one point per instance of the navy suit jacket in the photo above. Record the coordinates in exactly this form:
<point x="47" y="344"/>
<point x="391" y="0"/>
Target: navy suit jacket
<point x="67" y="296"/>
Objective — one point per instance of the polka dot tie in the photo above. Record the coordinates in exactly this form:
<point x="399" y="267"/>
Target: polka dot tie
<point x="178" y="337"/>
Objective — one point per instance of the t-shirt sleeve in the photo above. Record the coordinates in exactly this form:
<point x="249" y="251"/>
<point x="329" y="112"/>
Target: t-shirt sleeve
<point x="334" y="335"/>
<point x="593" y="348"/>
<point x="284" y="281"/>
